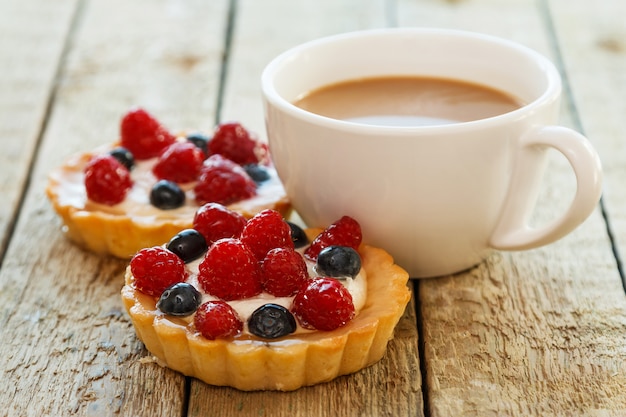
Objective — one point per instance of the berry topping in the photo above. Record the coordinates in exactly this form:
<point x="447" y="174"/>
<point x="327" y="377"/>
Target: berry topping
<point x="166" y="195"/>
<point x="258" y="173"/>
<point x="215" y="222"/>
<point x="189" y="244"/>
<point x="234" y="142"/>
<point x="271" y="321"/>
<point x="344" y="232"/>
<point x="106" y="180"/>
<point x="298" y="236"/>
<point x="180" y="162"/>
<point x="230" y="271"/>
<point x="155" y="269"/>
<point x="323" y="304"/>
<point x="143" y="135"/>
<point x="265" y="231"/>
<point x="180" y="299"/>
<point x="123" y="156"/>
<point x="283" y="272"/>
<point x="217" y="319"/>
<point x="223" y="181"/>
<point x="201" y="141"/>
<point x="338" y="262"/>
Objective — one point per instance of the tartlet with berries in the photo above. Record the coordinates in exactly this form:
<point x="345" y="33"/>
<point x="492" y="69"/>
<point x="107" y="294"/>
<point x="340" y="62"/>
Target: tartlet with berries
<point x="263" y="304"/>
<point x="146" y="187"/>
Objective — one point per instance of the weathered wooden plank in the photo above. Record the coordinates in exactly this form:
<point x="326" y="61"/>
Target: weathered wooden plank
<point x="68" y="347"/>
<point x="535" y="333"/>
<point x="32" y="38"/>
<point x="592" y="41"/>
<point x="393" y="386"/>
<point x="531" y="333"/>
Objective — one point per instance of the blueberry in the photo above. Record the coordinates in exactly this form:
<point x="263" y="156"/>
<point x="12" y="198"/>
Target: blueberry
<point x="166" y="195"/>
<point x="123" y="156"/>
<point x="271" y="321"/>
<point x="201" y="141"/>
<point x="180" y="299"/>
<point x="338" y="262"/>
<point x="298" y="236"/>
<point x="188" y="244"/>
<point x="257" y="172"/>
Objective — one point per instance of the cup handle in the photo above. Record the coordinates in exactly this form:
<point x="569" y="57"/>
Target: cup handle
<point x="512" y="231"/>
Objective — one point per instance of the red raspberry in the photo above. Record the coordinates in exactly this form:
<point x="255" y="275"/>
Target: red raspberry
<point x="323" y="304"/>
<point x="155" y="269"/>
<point x="214" y="222"/>
<point x="265" y="231"/>
<point x="344" y="232"/>
<point x="143" y="135"/>
<point x="234" y="142"/>
<point x="230" y="271"/>
<point x="217" y="319"/>
<point x="106" y="180"/>
<point x="283" y="272"/>
<point x="180" y="162"/>
<point x="223" y="181"/>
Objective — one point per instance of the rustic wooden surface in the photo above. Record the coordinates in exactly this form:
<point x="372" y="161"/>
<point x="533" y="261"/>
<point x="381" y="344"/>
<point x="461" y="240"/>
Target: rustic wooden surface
<point x="532" y="333"/>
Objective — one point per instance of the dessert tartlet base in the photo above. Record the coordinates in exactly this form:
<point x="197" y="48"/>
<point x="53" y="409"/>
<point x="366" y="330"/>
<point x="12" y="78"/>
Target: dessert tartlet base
<point x="101" y="230"/>
<point x="288" y="363"/>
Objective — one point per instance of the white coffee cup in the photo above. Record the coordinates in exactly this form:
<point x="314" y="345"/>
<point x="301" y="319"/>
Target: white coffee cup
<point x="438" y="198"/>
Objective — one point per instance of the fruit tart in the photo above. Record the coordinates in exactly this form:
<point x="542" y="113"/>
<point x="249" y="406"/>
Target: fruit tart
<point x="143" y="189"/>
<point x="264" y="304"/>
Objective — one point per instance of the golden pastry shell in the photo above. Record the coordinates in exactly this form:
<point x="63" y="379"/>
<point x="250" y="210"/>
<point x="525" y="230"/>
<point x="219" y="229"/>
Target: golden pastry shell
<point x="283" y="364"/>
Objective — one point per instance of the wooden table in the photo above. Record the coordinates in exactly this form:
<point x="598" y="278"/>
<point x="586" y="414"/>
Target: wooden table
<point x="541" y="332"/>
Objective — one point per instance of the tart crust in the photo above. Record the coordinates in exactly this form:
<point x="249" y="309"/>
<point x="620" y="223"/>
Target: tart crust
<point x="288" y="363"/>
<point x="102" y="230"/>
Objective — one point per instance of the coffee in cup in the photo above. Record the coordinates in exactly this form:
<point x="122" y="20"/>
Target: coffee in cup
<point x="407" y="101"/>
<point x="441" y="196"/>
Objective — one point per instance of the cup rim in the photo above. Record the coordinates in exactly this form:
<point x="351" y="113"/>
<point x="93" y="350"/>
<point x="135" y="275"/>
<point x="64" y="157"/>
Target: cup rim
<point x="271" y="95"/>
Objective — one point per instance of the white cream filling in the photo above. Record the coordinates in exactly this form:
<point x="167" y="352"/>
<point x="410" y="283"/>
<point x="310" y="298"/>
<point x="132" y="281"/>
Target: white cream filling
<point x="136" y="205"/>
<point x="357" y="287"/>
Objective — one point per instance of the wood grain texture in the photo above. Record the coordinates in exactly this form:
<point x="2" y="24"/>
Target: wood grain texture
<point x="592" y="41"/>
<point x="69" y="348"/>
<point x="33" y="34"/>
<point x="533" y="333"/>
<point x="540" y="332"/>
